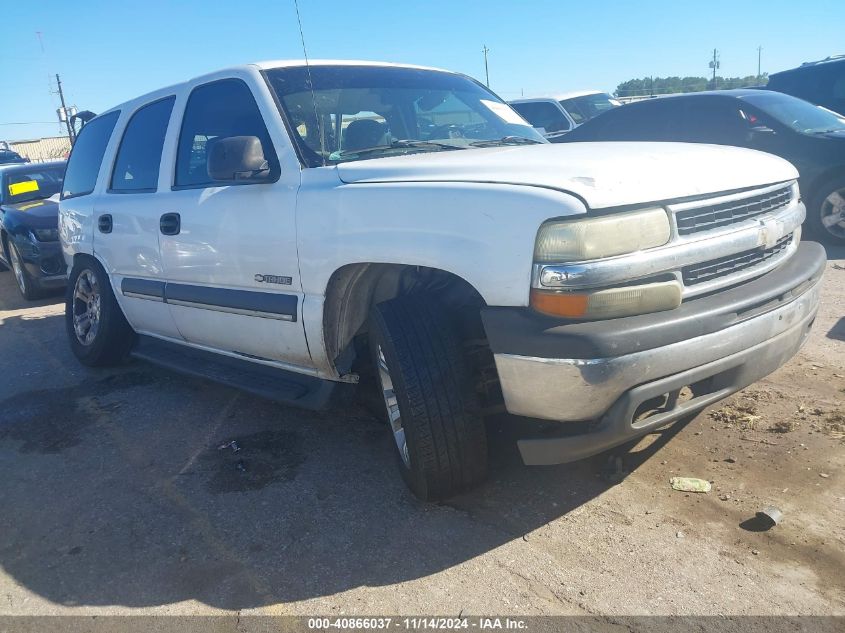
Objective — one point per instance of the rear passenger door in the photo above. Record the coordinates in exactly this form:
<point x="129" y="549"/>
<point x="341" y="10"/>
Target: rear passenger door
<point x="229" y="247"/>
<point x="127" y="219"/>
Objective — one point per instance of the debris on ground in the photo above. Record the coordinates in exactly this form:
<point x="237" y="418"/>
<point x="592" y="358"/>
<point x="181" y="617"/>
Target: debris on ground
<point x="769" y="517"/>
<point x="690" y="484"/>
<point x="745" y="415"/>
<point x="834" y="424"/>
<point x="824" y="475"/>
<point x="724" y="497"/>
<point x="233" y="445"/>
<point x="785" y="426"/>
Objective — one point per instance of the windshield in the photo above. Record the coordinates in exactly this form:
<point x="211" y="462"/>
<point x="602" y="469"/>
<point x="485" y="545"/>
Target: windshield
<point x="362" y="112"/>
<point x="585" y="108"/>
<point x="32" y="184"/>
<point x="800" y="115"/>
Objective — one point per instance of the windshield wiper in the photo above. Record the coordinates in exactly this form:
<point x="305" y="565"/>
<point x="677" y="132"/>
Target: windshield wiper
<point x="397" y="144"/>
<point x="507" y="140"/>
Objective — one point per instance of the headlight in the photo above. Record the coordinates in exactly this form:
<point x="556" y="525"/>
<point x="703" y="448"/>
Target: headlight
<point x="609" y="303"/>
<point x="606" y="236"/>
<point x="46" y="235"/>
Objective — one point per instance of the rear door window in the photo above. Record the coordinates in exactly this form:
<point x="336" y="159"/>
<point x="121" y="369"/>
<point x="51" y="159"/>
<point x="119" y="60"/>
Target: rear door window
<point x="139" y="157"/>
<point x="217" y="110"/>
<point x="87" y="155"/>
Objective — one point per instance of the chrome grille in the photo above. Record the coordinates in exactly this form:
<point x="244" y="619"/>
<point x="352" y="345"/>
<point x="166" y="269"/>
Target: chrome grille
<point x="723" y="214"/>
<point x="705" y="271"/>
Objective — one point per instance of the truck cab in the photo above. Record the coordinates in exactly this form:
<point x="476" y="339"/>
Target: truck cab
<point x="314" y="232"/>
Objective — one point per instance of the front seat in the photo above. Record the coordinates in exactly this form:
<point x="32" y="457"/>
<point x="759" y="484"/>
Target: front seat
<point x="363" y="133"/>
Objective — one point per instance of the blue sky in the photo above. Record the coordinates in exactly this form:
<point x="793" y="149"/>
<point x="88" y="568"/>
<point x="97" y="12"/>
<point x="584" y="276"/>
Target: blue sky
<point x="108" y="51"/>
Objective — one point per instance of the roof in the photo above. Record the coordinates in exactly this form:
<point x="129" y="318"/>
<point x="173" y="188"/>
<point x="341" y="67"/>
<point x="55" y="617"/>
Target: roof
<point x="265" y="65"/>
<point x="827" y="60"/>
<point x="561" y="96"/>
<point x="289" y="63"/>
<point x="12" y="167"/>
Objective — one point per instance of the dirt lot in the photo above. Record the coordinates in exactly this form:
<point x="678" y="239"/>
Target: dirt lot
<point x="115" y="499"/>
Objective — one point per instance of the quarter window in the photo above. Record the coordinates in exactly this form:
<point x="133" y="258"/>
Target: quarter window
<point x="139" y="156"/>
<point x="84" y="163"/>
<point x="217" y="110"/>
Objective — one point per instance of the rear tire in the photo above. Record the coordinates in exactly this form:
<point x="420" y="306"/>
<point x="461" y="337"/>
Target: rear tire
<point x="827" y="201"/>
<point x="429" y="397"/>
<point x="98" y="332"/>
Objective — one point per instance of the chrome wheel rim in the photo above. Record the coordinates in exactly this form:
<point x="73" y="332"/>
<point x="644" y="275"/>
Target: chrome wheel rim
<point x="17" y="268"/>
<point x="833" y="213"/>
<point x="391" y="403"/>
<point x="86" y="307"/>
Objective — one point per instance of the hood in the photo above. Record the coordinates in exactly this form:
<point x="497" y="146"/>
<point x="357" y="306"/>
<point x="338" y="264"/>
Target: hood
<point x="602" y="174"/>
<point x="36" y="214"/>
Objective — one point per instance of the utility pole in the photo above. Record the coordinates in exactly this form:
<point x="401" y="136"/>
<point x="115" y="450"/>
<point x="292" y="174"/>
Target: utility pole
<point x="64" y="110"/>
<point x="714" y="64"/>
<point x="759" y="56"/>
<point x="486" y="50"/>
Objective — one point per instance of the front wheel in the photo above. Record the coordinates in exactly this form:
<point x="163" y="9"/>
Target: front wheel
<point x="429" y="399"/>
<point x="98" y="332"/>
<point x="26" y="284"/>
<point x="826" y="213"/>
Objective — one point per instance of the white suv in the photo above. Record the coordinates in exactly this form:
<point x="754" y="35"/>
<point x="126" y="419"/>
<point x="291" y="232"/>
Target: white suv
<point x="299" y="230"/>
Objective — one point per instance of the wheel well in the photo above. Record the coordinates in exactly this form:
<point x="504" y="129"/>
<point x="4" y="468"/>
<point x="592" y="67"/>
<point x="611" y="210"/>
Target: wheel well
<point x="812" y="189"/>
<point x="355" y="288"/>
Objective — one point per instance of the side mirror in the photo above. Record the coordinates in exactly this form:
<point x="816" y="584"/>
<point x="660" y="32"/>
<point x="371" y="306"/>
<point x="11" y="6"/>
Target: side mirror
<point x="236" y="158"/>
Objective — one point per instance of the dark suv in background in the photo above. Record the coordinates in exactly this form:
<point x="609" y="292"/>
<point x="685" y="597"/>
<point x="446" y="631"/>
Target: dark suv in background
<point x="809" y="137"/>
<point x="822" y="83"/>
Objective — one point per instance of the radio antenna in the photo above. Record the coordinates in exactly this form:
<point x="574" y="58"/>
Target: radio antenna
<point x="311" y="85"/>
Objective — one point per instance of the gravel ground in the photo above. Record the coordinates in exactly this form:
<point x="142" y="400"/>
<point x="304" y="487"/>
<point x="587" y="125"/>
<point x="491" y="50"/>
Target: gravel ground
<point x="116" y="500"/>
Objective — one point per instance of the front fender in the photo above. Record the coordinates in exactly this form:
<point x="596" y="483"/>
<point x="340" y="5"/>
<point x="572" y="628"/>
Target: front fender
<point x="481" y="232"/>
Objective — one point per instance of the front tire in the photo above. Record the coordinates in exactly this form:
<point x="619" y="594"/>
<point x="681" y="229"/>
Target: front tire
<point x="98" y="332"/>
<point x="826" y="213"/>
<point x="26" y="284"/>
<point x="428" y="396"/>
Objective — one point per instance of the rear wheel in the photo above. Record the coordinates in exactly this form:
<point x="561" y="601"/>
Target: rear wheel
<point x="826" y="213"/>
<point x="26" y="284"/>
<point x="429" y="399"/>
<point x="98" y="332"/>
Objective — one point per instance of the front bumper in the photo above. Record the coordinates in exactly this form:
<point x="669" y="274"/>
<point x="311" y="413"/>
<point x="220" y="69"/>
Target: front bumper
<point x="44" y="262"/>
<point x="608" y="370"/>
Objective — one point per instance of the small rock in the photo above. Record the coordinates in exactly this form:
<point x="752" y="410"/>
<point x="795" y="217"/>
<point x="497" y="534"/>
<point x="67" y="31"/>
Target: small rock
<point x="730" y="460"/>
<point x="679" y="534"/>
<point x="755" y="552"/>
<point x="824" y="475"/>
<point x="725" y="497"/>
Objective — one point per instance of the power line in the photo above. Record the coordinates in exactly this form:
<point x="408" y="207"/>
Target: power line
<point x="30" y="123"/>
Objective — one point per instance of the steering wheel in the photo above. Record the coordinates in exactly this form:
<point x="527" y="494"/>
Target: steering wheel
<point x="447" y="131"/>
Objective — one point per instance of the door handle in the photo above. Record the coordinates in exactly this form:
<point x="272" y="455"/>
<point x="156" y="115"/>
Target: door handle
<point x="105" y="223"/>
<point x="170" y="224"/>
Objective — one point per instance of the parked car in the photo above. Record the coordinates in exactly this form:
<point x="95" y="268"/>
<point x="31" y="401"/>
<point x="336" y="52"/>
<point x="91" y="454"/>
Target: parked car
<point x="555" y="116"/>
<point x="9" y="157"/>
<point x="299" y="230"/>
<point x="29" y="234"/>
<point x="822" y="83"/>
<point x="810" y="137"/>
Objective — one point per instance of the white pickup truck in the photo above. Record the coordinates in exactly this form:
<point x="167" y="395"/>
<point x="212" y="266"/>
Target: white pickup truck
<point x="294" y="230"/>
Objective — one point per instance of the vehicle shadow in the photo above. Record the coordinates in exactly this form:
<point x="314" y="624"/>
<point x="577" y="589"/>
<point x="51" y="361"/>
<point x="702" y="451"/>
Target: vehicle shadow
<point x="138" y="487"/>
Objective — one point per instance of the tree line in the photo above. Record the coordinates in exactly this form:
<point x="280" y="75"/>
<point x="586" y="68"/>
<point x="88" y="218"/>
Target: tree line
<point x="670" y="85"/>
